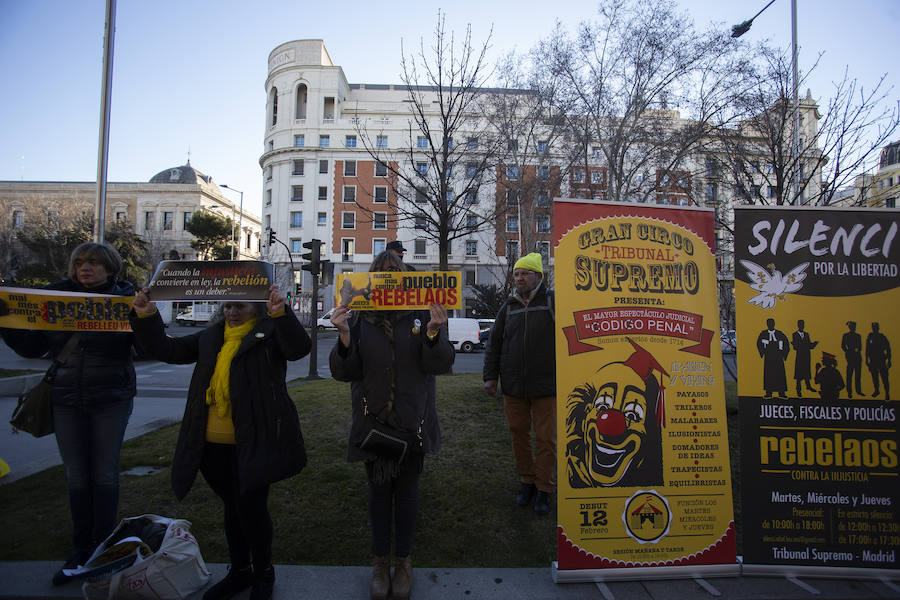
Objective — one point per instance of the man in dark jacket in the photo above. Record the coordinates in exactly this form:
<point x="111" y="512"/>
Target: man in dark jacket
<point x="521" y="352"/>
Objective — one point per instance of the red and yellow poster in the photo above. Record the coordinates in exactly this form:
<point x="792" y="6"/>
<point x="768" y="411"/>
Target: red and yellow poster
<point x="395" y="290"/>
<point x="643" y="461"/>
<point x="817" y="295"/>
<point x="56" y="310"/>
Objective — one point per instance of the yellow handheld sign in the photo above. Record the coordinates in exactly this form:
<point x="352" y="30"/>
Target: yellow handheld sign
<point x="393" y="290"/>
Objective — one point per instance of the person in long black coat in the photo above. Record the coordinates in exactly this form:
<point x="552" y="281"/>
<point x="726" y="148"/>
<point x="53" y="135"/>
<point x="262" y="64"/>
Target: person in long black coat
<point x="93" y="396"/>
<point x="240" y="428"/>
<point x="803" y="346"/>
<point x="773" y="347"/>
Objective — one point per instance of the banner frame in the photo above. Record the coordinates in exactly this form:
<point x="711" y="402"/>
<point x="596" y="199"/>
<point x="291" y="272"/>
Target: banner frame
<point x="643" y="573"/>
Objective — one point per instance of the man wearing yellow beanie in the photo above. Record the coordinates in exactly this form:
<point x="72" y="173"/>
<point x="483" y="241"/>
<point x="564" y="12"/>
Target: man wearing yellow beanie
<point x="521" y="353"/>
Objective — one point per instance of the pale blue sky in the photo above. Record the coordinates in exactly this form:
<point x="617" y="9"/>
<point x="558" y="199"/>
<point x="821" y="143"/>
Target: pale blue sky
<point x="189" y="74"/>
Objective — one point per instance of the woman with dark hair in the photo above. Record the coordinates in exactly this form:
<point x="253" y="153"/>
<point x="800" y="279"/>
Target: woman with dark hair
<point x="93" y="394"/>
<point x="240" y="428"/>
<point x="387" y="356"/>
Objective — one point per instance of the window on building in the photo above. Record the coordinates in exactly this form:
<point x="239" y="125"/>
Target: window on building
<point x="512" y="145"/>
<point x="296" y="219"/>
<point x="712" y="192"/>
<point x="380" y="194"/>
<point x="323" y="192"/>
<point x="323" y="166"/>
<point x="421" y="142"/>
<point x="542" y="146"/>
<point x="470" y="277"/>
<point x="543" y="200"/>
<point x="890" y="203"/>
<point x="542" y="224"/>
<point x="349" y="168"/>
<point x="543" y="172"/>
<point x="544" y="249"/>
<point x="512" y="197"/>
<point x="597" y="177"/>
<point x="298" y="167"/>
<point x="148" y="220"/>
<point x="381" y="169"/>
<point x="268" y="197"/>
<point x="296" y="193"/>
<point x="422" y="168"/>
<point x="299" y="140"/>
<point x="512" y="250"/>
<point x="269" y="173"/>
<point x="186" y="220"/>
<point x="271" y="145"/>
<point x="300" y="108"/>
<point x="471" y="248"/>
<point x="379" y="220"/>
<point x="321" y="219"/>
<point x="512" y="224"/>
<point x="349" y="194"/>
<point x="296" y="245"/>
<point x="578" y="175"/>
<point x="421" y="222"/>
<point x="168" y="221"/>
<point x="770" y="191"/>
<point x="268" y="220"/>
<point x="328" y="109"/>
<point x="348" y="220"/>
<point x="350" y="141"/>
<point x="421" y="198"/>
<point x="449" y="143"/>
<point x="512" y="173"/>
<point x="18" y="219"/>
<point x="324" y="141"/>
<point x="381" y="141"/>
<point x="348" y="248"/>
<point x="471" y="222"/>
<point x="120" y="217"/>
<point x="419" y="247"/>
<point x="472" y="144"/>
<point x="274" y="117"/>
<point x="471" y="197"/>
<point x="471" y="169"/>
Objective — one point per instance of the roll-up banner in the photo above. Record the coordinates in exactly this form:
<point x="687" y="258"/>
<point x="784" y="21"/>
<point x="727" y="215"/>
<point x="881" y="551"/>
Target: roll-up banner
<point x="818" y="311"/>
<point x="643" y="461"/>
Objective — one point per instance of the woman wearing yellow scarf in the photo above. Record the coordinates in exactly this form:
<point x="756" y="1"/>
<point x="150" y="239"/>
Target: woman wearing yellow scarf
<point x="240" y="429"/>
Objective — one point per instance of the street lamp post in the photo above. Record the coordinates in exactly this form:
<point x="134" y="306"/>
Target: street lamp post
<point x="240" y="221"/>
<point x="742" y="28"/>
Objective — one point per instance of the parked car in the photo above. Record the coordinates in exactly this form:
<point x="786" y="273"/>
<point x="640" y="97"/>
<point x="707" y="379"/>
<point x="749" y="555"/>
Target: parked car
<point x="198" y="313"/>
<point x="729" y="341"/>
<point x="464" y="333"/>
<point x="324" y="322"/>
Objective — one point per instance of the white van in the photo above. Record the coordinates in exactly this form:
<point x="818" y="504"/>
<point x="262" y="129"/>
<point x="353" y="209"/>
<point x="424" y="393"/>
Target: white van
<point x="198" y="313"/>
<point x="464" y="333"/>
<point x="324" y="322"/>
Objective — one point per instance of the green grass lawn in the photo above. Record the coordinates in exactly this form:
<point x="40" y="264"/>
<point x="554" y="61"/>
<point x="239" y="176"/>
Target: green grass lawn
<point x="466" y="518"/>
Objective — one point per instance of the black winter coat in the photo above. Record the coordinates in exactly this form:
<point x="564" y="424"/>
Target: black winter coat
<point x="521" y="351"/>
<point x="266" y="425"/>
<point x="370" y="363"/>
<point x="99" y="370"/>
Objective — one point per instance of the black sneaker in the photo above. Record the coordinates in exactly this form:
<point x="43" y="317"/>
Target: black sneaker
<point x="236" y="581"/>
<point x="542" y="503"/>
<point x="263" y="585"/>
<point x="525" y="494"/>
<point x="76" y="558"/>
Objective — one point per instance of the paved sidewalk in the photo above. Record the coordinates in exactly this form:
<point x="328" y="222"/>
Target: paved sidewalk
<point x="22" y="580"/>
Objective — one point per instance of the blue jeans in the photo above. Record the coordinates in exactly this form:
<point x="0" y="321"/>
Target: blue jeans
<point x="90" y="442"/>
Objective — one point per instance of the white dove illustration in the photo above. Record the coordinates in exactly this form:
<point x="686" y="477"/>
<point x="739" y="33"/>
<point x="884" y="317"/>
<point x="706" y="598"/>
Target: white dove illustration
<point x="771" y="284"/>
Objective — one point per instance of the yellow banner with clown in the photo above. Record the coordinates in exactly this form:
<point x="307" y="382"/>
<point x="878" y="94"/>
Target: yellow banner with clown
<point x="643" y="459"/>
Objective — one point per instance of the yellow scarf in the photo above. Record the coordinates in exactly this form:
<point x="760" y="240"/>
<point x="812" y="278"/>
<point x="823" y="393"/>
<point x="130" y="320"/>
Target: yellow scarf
<point x="218" y="392"/>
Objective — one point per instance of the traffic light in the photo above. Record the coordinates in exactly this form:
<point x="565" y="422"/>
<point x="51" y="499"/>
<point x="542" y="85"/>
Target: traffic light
<point x="271" y="236"/>
<point x="314" y="246"/>
<point x="327" y="272"/>
<point x="297" y="288"/>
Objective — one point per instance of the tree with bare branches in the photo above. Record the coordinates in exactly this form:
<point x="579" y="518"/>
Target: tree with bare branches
<point x="440" y="175"/>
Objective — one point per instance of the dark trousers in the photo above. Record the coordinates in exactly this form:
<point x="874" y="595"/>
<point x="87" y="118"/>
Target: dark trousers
<point x="90" y="443"/>
<point x="397" y="498"/>
<point x="248" y="525"/>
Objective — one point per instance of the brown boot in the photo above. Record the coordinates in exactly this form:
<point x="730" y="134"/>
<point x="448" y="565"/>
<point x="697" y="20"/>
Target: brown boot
<point x="401" y="584"/>
<point x="381" y="578"/>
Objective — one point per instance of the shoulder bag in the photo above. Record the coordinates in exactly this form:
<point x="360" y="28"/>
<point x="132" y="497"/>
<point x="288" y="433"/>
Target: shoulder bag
<point x="34" y="411"/>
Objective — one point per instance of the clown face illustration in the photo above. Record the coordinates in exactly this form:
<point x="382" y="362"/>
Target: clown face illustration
<point x="612" y="431"/>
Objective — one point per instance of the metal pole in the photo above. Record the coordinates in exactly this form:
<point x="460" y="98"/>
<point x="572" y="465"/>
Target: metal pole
<point x="103" y="150"/>
<point x="240" y="221"/>
<point x="314" y="334"/>
<point x="232" y="231"/>
<point x="795" y="140"/>
<point x="240" y="225"/>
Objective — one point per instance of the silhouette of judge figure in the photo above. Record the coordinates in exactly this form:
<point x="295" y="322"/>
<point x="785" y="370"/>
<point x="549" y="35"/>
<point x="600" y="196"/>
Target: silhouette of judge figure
<point x="851" y="344"/>
<point x="878" y="359"/>
<point x="773" y="347"/>
<point x="803" y="346"/>
<point x="828" y="378"/>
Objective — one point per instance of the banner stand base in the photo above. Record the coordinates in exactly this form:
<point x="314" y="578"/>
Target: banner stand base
<point x="796" y="571"/>
<point x="642" y="573"/>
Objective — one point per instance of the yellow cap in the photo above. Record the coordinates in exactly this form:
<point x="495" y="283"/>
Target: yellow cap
<point x="532" y="262"/>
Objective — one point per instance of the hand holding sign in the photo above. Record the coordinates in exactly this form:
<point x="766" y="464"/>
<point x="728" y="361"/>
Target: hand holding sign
<point x="438" y="319"/>
<point x="142" y="304"/>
